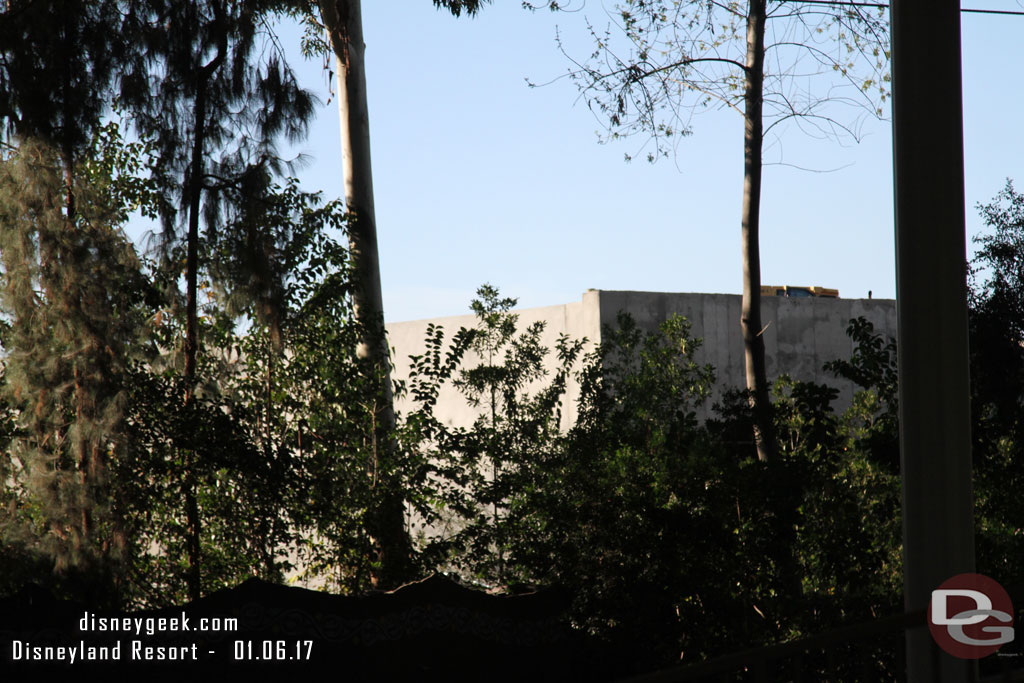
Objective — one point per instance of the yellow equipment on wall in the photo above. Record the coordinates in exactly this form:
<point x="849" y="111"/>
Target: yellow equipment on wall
<point x="799" y="292"/>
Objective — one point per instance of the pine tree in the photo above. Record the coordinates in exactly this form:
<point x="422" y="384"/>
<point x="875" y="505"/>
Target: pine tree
<point x="72" y="290"/>
<point x="215" y="104"/>
<point x="68" y="278"/>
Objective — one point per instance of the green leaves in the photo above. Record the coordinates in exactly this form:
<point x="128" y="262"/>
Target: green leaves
<point x="476" y="473"/>
<point x="996" y="319"/>
<point x="101" y="447"/>
<point x="58" y="64"/>
<point x="116" y="171"/>
<point x="456" y="7"/>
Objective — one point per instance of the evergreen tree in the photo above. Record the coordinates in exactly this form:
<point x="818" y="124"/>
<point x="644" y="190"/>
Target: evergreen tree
<point x="68" y="277"/>
<point x="214" y="102"/>
<point x="74" y="293"/>
<point x="55" y="77"/>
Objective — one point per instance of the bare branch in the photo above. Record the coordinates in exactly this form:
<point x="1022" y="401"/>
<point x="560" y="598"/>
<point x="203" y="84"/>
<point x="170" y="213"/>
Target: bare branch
<point x="806" y="168"/>
<point x="660" y="62"/>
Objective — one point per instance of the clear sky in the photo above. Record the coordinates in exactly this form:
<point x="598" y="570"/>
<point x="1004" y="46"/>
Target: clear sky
<point x="480" y="178"/>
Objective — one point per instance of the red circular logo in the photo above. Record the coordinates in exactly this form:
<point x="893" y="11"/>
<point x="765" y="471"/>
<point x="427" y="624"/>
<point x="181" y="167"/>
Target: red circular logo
<point x="970" y="616"/>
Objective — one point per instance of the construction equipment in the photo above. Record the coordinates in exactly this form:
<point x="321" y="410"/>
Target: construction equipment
<point x="799" y="292"/>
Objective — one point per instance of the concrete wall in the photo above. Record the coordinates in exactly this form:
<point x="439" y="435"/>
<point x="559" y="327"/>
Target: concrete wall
<point x="800" y="336"/>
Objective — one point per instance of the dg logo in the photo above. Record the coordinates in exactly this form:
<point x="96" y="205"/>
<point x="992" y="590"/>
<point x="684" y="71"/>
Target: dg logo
<point x="970" y="616"/>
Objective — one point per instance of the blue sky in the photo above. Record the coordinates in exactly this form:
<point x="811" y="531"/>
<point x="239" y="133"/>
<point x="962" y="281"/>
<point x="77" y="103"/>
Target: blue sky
<point x="480" y="178"/>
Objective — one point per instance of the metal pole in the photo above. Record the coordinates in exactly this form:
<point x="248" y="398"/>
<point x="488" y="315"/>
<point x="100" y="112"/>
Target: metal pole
<point x="935" y="430"/>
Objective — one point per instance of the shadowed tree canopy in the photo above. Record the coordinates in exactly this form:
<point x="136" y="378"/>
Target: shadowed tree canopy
<point x="457" y="7"/>
<point x="73" y="293"/>
<point x="214" y="94"/>
<point x="59" y="60"/>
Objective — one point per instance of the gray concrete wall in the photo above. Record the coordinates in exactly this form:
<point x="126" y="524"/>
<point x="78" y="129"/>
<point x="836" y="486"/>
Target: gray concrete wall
<point x="800" y="336"/>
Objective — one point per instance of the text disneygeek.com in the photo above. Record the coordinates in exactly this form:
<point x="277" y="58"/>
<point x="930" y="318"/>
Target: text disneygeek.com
<point x="154" y="625"/>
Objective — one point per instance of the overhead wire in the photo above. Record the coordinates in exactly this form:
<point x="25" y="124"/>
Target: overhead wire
<point x="841" y="3"/>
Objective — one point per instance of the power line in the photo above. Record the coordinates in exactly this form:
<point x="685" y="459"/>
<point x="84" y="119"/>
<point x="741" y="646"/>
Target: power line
<point x="991" y="11"/>
<point x="841" y="3"/>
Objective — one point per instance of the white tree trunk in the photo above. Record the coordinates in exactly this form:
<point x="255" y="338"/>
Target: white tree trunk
<point x="343" y="21"/>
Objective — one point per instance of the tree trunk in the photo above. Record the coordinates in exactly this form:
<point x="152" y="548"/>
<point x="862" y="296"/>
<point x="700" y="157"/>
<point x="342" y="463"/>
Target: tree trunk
<point x="193" y="522"/>
<point x="194" y="189"/>
<point x="343" y="20"/>
<point x="750" y="316"/>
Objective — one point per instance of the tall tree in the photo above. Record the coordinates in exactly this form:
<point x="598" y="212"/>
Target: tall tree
<point x="215" y="103"/>
<point x="342" y="21"/>
<point x="67" y="273"/>
<point x="997" y="377"/>
<point x="665" y="59"/>
<point x="74" y="293"/>
<point x="279" y="462"/>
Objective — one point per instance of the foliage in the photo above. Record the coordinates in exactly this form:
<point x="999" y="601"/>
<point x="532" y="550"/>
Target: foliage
<point x="94" y="417"/>
<point x="873" y="420"/>
<point x="308" y="14"/>
<point x="849" y="539"/>
<point x="661" y="60"/>
<point x="312" y="401"/>
<point x="668" y="533"/>
<point x="456" y="7"/>
<point x="631" y="507"/>
<point x="475" y="472"/>
<point x="127" y="459"/>
<point x="75" y="299"/>
<point x="59" y="61"/>
<point x="997" y="375"/>
<point x="280" y="424"/>
<point x="160" y="427"/>
<point x="214" y="94"/>
<point x="997" y="320"/>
